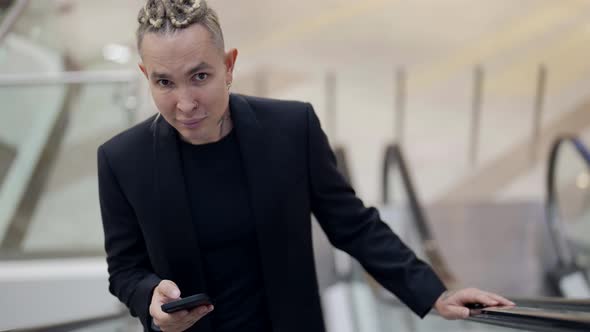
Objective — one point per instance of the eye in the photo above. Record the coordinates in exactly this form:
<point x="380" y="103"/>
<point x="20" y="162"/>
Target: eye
<point x="164" y="83"/>
<point x="200" y="76"/>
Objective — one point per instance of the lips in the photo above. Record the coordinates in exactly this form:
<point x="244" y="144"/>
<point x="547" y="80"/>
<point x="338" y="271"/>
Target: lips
<point x="192" y="122"/>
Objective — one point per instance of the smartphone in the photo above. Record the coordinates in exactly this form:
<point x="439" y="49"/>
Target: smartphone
<point x="186" y="303"/>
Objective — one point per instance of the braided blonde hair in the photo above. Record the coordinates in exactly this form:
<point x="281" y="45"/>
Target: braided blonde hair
<point x="168" y="16"/>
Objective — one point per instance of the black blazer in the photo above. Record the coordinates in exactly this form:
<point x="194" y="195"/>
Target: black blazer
<point x="291" y="172"/>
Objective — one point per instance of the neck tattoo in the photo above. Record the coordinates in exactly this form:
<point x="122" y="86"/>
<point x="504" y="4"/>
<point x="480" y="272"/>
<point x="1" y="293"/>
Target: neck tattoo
<point x="223" y="121"/>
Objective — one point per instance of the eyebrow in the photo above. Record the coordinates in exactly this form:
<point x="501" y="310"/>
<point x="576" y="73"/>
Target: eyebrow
<point x="197" y="68"/>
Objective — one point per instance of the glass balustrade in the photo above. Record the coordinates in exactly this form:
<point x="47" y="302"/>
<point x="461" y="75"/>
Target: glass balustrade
<point x="48" y="193"/>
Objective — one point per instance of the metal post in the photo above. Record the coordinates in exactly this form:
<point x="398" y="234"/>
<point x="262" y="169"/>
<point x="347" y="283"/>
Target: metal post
<point x="400" y="104"/>
<point x="331" y="104"/>
<point x="538" y="111"/>
<point x="477" y="102"/>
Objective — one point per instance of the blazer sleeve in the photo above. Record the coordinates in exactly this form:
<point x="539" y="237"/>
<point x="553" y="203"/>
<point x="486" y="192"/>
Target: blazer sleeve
<point x="131" y="277"/>
<point x="359" y="231"/>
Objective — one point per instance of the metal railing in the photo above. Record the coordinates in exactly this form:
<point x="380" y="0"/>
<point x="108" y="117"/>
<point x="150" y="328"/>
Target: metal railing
<point x="565" y="255"/>
<point x="394" y="158"/>
<point x="71" y="77"/>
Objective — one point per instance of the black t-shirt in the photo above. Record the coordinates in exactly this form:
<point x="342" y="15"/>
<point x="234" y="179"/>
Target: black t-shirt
<point x="226" y="232"/>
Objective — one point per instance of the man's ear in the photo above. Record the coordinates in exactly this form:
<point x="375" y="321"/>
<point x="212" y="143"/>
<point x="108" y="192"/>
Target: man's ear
<point x="230" y="62"/>
<point x="143" y="70"/>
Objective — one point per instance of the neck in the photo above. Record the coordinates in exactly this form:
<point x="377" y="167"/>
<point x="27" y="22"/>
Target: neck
<point x="225" y="125"/>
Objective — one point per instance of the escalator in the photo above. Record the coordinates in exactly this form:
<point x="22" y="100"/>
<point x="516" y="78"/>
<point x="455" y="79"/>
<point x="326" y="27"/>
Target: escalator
<point x="568" y="215"/>
<point x="532" y="245"/>
<point x="562" y="266"/>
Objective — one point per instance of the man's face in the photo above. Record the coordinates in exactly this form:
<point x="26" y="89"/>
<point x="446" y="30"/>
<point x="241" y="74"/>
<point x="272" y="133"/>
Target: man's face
<point x="188" y="76"/>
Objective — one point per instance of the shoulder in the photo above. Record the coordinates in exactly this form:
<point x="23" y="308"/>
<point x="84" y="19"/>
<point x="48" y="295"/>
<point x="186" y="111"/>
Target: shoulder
<point x="273" y="104"/>
<point x="277" y="108"/>
<point x="281" y="114"/>
<point x="134" y="139"/>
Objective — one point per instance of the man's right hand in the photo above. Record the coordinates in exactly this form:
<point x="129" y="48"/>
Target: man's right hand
<point x="165" y="292"/>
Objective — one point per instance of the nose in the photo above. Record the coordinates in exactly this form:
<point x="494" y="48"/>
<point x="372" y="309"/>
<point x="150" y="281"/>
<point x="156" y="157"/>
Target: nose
<point x="186" y="103"/>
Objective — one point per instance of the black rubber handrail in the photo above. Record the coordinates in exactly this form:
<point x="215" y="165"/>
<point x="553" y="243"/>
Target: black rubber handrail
<point x="394" y="157"/>
<point x="552" y="303"/>
<point x="534" y="319"/>
<point x="564" y="253"/>
<point x="529" y="314"/>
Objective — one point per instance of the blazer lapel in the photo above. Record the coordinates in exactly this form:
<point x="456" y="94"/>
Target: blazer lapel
<point x="177" y="231"/>
<point x="257" y="162"/>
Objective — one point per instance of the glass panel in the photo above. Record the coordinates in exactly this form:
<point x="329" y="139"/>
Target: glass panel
<point x="49" y="196"/>
<point x="39" y="24"/>
<point x="573" y="195"/>
<point x="25" y="49"/>
<point x="60" y="29"/>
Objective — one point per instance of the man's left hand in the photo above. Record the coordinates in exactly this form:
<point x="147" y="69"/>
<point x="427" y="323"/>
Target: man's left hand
<point x="452" y="304"/>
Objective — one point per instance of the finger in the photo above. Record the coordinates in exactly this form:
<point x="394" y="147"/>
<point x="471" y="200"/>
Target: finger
<point x="468" y="295"/>
<point x="177" y="315"/>
<point x="168" y="289"/>
<point x="199" y="312"/>
<point x="502" y="300"/>
<point x="193" y="316"/>
<point x="456" y="312"/>
<point x="487" y="300"/>
<point x="173" y="321"/>
<point x="156" y="310"/>
<point x="164" y="319"/>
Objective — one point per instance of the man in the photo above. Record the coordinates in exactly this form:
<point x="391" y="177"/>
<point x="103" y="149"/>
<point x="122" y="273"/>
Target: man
<point x="214" y="196"/>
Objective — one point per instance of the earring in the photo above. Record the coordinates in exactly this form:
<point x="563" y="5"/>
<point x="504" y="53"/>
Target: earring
<point x="228" y="85"/>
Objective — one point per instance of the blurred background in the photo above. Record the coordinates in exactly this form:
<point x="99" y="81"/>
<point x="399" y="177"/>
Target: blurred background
<point x="465" y="122"/>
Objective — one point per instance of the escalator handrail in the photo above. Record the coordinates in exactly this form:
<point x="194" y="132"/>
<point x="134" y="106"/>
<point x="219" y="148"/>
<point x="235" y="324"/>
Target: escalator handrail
<point x="529" y="314"/>
<point x="533" y="320"/>
<point x="394" y="156"/>
<point x="564" y="254"/>
<point x="554" y="303"/>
